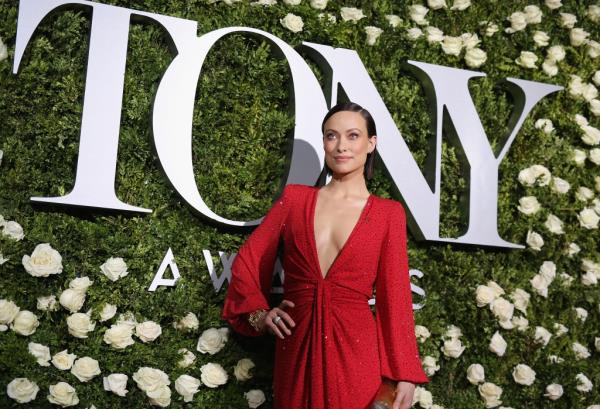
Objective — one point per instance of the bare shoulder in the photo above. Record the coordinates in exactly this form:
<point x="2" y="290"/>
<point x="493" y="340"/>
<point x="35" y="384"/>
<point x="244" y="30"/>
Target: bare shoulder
<point x="392" y="207"/>
<point x="296" y="189"/>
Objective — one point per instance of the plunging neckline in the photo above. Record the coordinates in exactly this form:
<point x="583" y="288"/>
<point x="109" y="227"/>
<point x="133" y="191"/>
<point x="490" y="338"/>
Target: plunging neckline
<point x="314" y="239"/>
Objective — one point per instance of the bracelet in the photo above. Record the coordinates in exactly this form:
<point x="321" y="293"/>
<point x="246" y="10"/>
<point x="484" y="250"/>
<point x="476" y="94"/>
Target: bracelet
<point x="255" y="317"/>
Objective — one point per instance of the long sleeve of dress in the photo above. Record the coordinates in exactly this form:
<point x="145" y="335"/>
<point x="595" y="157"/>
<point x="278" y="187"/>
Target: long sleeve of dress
<point x="398" y="350"/>
<point x="252" y="269"/>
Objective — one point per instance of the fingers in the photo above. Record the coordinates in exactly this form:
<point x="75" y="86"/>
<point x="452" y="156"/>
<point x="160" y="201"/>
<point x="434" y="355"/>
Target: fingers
<point x="277" y="328"/>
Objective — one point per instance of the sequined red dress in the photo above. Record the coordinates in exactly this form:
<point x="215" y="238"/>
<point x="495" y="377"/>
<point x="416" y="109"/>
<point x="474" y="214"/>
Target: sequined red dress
<point x="338" y="350"/>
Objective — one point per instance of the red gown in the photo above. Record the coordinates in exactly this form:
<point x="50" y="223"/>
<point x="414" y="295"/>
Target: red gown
<point x="338" y="350"/>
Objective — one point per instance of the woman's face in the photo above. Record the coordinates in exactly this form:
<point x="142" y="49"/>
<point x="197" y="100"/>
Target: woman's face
<point x="346" y="142"/>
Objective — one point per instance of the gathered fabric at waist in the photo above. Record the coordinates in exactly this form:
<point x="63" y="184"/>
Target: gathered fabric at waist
<point x="308" y="291"/>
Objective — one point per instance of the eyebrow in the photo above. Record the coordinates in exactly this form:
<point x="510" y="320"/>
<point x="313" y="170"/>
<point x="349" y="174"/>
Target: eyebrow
<point x="333" y="130"/>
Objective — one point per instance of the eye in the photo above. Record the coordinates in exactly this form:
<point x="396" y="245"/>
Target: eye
<point x="330" y="136"/>
<point x="354" y="135"/>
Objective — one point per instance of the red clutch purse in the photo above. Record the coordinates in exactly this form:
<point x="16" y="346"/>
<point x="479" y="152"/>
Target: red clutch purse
<point x="384" y="398"/>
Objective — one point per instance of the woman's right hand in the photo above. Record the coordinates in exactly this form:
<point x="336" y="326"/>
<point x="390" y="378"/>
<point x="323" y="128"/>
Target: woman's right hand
<point x="282" y="324"/>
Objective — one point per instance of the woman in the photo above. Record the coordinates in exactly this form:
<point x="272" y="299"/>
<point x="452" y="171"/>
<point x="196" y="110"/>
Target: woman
<point x="339" y="242"/>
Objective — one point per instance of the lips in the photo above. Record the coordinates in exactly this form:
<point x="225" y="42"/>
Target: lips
<point x="342" y="157"/>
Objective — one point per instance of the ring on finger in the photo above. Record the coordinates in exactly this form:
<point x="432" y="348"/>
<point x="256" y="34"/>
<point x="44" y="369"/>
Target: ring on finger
<point x="276" y="320"/>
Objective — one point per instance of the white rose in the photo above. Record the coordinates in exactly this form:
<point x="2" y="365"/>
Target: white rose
<point x="593" y="48"/>
<point x="529" y="205"/>
<point x="484" y="295"/>
<point x="318" y="4"/>
<point x="534" y="240"/>
<point x="460" y="5"/>
<point x="566" y="279"/>
<point x="148" y="331"/>
<point x="292" y="22"/>
<point x="591" y="135"/>
<point x="119" y="336"/>
<point x="330" y="17"/>
<point x="8" y="311"/>
<point x="527" y="59"/>
<point x="578" y="36"/>
<point x="452" y="331"/>
<point x="556" y="53"/>
<point x="584" y="194"/>
<point x="595" y="156"/>
<point x="581" y="352"/>
<point x="540" y="285"/>
<point x="535" y="174"/>
<point x="80" y="324"/>
<point x="470" y="40"/>
<point x="533" y="14"/>
<point x="491" y="29"/>
<point x="548" y="270"/>
<point x="475" y="374"/>
<point x="373" y="34"/>
<point x="560" y="329"/>
<point x="578" y="157"/>
<point x="436" y="4"/>
<point x="593" y="12"/>
<point x="554" y="224"/>
<point x="542" y="336"/>
<point x="541" y="38"/>
<point x="187" y="386"/>
<point x="521" y="299"/>
<point x="128" y="319"/>
<point x="414" y="33"/>
<point x="490" y="393"/>
<point x="595" y="107"/>
<point x="108" y="311"/>
<point x="581" y="313"/>
<point x="160" y="397"/>
<point x="597" y="343"/>
<point x="114" y="268"/>
<point x="116" y="383"/>
<point x="13" y="230"/>
<point x="188" y="358"/>
<point x="393" y="20"/>
<point x="590" y="266"/>
<point x="452" y="348"/>
<point x="72" y="299"/>
<point x="498" y="344"/>
<point x="520" y="323"/>
<point x="434" y="34"/>
<point x="213" y="375"/>
<point x="292" y="2"/>
<point x="80" y="283"/>
<point x="452" y="45"/>
<point x="423" y="397"/>
<point x="554" y="391"/>
<point x="47" y="303"/>
<point x="211" y="341"/>
<point x="417" y="14"/>
<point x="63" y="360"/>
<point x="148" y="379"/>
<point x="523" y="374"/>
<point x="583" y="383"/>
<point x="351" y="14"/>
<point x="43" y="261"/>
<point x="549" y="67"/>
<point x="63" y="394"/>
<point x="242" y="369"/>
<point x="421" y="333"/>
<point x="255" y="398"/>
<point x="502" y="309"/>
<point x="40" y="352"/>
<point x="545" y="125"/>
<point x="575" y="88"/>
<point x="25" y="323"/>
<point x="589" y="92"/>
<point x="85" y="368"/>
<point x="188" y="323"/>
<point x="518" y="22"/>
<point x="430" y="365"/>
<point x="568" y="20"/>
<point x="22" y="390"/>
<point x="559" y="185"/>
<point x="596" y="77"/>
<point x="553" y="4"/>
<point x="588" y="218"/>
<point x="589" y="279"/>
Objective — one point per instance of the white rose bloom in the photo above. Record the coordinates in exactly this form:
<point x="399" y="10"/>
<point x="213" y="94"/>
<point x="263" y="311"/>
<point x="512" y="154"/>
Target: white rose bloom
<point x="554" y="224"/>
<point x="590" y="266"/>
<point x="188" y="358"/>
<point x="108" y="311"/>
<point x="63" y="394"/>
<point x="128" y="319"/>
<point x="8" y="311"/>
<point x="119" y="336"/>
<point x="452" y="348"/>
<point x="47" y="303"/>
<point x="470" y="40"/>
<point x="596" y="77"/>
<point x="318" y="4"/>
<point x="150" y="379"/>
<point x="417" y="14"/>
<point x="393" y="20"/>
<point x="593" y="48"/>
<point x="255" y="398"/>
<point x="422" y="333"/>
<point x="160" y="397"/>
<point x="541" y="39"/>
<point x="116" y="383"/>
<point x="518" y="22"/>
<point x="85" y="368"/>
<point x="114" y="268"/>
<point x="498" y="344"/>
<point x="292" y="2"/>
<point x="542" y="336"/>
<point x="535" y="174"/>
<point x="242" y="369"/>
<point x="460" y="5"/>
<point x="589" y="92"/>
<point x="589" y="279"/>
<point x="521" y="299"/>
<point x="593" y="12"/>
<point x="534" y="240"/>
<point x="430" y="365"/>
<point x="540" y="285"/>
<point x="556" y="53"/>
<point x="591" y="135"/>
<point x="80" y="324"/>
<point x="560" y="329"/>
<point x="22" y="390"/>
<point x="520" y="323"/>
<point x="584" y="194"/>
<point x="583" y="383"/>
<point x="553" y="4"/>
<point x="213" y="375"/>
<point x="581" y="313"/>
<point x="148" y="331"/>
<point x="578" y="157"/>
<point x="72" y="299"/>
<point x="545" y="125"/>
<point x="502" y="309"/>
<point x="373" y="34"/>
<point x="25" y="323"/>
<point x="595" y="107"/>
<point x="527" y="59"/>
<point x="13" y="230"/>
<point x="351" y="14"/>
<point x="330" y="17"/>
<point x="491" y="29"/>
<point x="496" y="288"/>
<point x="423" y="397"/>
<point x="484" y="295"/>
<point x="80" y="283"/>
<point x="559" y="185"/>
<point x="264" y="3"/>
<point x="188" y="323"/>
<point x="580" y="119"/>
<point x="523" y="374"/>
<point x="491" y="394"/>
<point x="529" y="205"/>
<point x="566" y="279"/>
<point x="292" y="22"/>
<point x="554" y="391"/>
<point x="568" y="20"/>
<point x="533" y="14"/>
<point x="434" y="34"/>
<point x="548" y="270"/>
<point x="211" y="341"/>
<point x="476" y="374"/>
<point x="187" y="386"/>
<point x="452" y="45"/>
<point x="588" y="218"/>
<point x="436" y="4"/>
<point x="576" y="87"/>
<point x="63" y="360"/>
<point x="43" y="261"/>
<point x="39" y="352"/>
<point x="581" y="352"/>
<point x="549" y="67"/>
<point x="414" y="33"/>
<point x="578" y="36"/>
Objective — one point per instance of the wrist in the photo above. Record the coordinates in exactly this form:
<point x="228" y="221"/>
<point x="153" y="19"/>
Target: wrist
<point x="255" y="319"/>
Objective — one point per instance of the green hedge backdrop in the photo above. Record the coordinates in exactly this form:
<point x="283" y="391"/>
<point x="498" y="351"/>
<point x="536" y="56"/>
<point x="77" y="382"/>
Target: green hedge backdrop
<point x="241" y="119"/>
